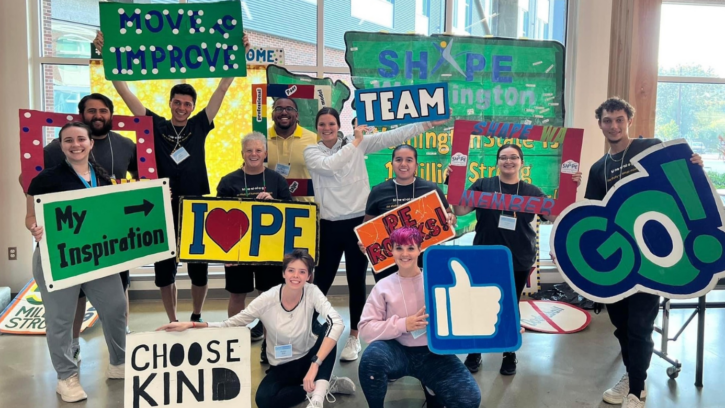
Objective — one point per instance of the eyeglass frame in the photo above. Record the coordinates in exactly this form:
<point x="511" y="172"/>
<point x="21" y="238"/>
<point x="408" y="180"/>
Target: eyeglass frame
<point x="288" y="109"/>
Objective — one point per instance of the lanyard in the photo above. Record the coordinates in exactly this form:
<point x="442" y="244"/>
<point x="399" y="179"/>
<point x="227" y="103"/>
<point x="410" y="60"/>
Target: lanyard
<point x="500" y="189"/>
<point x="397" y="203"/>
<point x="264" y="182"/>
<point x="289" y="149"/>
<point x="178" y="135"/>
<point x="93" y="176"/>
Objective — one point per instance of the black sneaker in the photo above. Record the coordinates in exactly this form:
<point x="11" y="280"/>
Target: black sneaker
<point x="196" y="318"/>
<point x="263" y="356"/>
<point x="473" y="362"/>
<point x="258" y="332"/>
<point x="508" y="365"/>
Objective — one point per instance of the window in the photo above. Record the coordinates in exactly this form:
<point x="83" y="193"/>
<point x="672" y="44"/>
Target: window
<point x="691" y="87"/>
<point x="461" y="16"/>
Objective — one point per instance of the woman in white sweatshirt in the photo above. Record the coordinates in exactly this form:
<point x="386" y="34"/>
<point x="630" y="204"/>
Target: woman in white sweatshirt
<point x="340" y="181"/>
<point x="301" y="362"/>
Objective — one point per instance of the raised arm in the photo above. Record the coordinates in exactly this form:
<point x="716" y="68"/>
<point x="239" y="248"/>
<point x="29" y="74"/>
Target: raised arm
<point x="131" y="100"/>
<point x="215" y="103"/>
<point x="379" y="141"/>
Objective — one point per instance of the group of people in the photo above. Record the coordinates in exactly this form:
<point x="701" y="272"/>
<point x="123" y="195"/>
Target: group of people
<point x="392" y="320"/>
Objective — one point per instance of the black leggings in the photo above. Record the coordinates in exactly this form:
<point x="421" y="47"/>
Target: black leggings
<point x="337" y="237"/>
<point x="282" y="386"/>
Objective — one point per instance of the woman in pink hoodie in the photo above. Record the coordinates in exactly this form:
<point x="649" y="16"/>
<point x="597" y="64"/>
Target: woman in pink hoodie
<point x="394" y="323"/>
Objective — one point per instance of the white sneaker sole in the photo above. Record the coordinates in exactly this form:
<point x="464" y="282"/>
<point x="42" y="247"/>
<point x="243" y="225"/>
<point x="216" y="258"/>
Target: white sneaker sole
<point x="348" y="359"/>
<point x="68" y="399"/>
<point x="620" y="401"/>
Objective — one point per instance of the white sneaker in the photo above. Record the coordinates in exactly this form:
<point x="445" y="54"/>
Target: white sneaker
<point x="77" y="357"/>
<point x="70" y="389"/>
<point x="632" y="402"/>
<point x="313" y="403"/>
<point x="618" y="393"/>
<point x="341" y="385"/>
<point x="351" y="350"/>
<point x="116" y="372"/>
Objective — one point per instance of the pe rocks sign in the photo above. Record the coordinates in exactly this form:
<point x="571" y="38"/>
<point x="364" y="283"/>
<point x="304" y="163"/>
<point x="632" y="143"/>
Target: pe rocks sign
<point x="165" y="41"/>
<point x="195" y="368"/>
<point x="97" y="232"/>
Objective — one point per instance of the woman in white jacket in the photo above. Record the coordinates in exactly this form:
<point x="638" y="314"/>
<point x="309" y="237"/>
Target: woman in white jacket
<point x="340" y="180"/>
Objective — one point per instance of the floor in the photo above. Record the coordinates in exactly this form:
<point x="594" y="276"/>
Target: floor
<point x="554" y="370"/>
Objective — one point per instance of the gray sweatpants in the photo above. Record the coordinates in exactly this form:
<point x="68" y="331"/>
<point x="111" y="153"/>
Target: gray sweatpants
<point x="105" y="294"/>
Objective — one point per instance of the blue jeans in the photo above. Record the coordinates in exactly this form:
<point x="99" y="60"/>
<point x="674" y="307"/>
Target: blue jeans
<point x="445" y="375"/>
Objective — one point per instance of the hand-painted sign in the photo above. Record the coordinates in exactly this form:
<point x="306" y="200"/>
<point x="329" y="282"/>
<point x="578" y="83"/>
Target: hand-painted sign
<point x="425" y="213"/>
<point x="32" y="123"/>
<point x="570" y="139"/>
<point x="658" y="231"/>
<point x="553" y="317"/>
<point x="263" y="56"/>
<point x="402" y="104"/>
<point x="166" y="41"/>
<point x="197" y="368"/>
<point x="245" y="231"/>
<point x="26" y="313"/>
<point x="260" y="93"/>
<point x="471" y="300"/>
<point x="97" y="232"/>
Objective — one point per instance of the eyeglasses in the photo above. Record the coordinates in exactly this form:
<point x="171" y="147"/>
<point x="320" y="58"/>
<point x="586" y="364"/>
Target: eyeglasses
<point x="287" y="109"/>
<point x="512" y="158"/>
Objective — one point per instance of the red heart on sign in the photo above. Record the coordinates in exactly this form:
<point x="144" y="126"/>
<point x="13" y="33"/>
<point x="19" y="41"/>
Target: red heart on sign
<point x="226" y="228"/>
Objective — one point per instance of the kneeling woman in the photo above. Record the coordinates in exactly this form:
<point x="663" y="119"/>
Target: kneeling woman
<point x="394" y="324"/>
<point x="301" y="363"/>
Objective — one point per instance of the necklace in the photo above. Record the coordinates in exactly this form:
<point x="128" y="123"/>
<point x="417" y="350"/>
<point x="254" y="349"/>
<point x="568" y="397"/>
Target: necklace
<point x="264" y="182"/>
<point x="178" y="135"/>
<point x="396" y="191"/>
<point x="621" y="166"/>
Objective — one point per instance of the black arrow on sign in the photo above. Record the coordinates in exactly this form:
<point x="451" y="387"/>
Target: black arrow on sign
<point x="146" y="207"/>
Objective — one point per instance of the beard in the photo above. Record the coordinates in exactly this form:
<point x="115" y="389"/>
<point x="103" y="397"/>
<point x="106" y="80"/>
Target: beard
<point x="107" y="125"/>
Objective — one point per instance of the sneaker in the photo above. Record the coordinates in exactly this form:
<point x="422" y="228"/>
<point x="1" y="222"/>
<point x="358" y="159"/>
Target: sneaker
<point x="116" y="372"/>
<point x="617" y="394"/>
<point x="341" y="385"/>
<point x="128" y="331"/>
<point x="473" y="362"/>
<point x="351" y="350"/>
<point x="70" y="389"/>
<point x="263" y="356"/>
<point x="508" y="365"/>
<point x="77" y="356"/>
<point x="196" y="318"/>
<point x="632" y="402"/>
<point x="257" y="332"/>
<point x="314" y="403"/>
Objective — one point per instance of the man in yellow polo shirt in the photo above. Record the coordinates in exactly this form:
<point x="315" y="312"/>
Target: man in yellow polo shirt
<point x="286" y="142"/>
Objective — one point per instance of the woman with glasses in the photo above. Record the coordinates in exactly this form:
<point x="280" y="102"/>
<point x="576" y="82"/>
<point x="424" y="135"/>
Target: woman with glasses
<point x="510" y="229"/>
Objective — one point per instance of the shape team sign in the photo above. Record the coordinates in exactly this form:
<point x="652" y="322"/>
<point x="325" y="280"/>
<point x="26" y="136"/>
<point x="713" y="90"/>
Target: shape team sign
<point x="245" y="231"/>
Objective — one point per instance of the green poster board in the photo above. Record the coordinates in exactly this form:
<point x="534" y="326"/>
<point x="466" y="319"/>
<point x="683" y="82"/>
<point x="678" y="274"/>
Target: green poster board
<point x="97" y="232"/>
<point x="172" y="41"/>
<point x="489" y="79"/>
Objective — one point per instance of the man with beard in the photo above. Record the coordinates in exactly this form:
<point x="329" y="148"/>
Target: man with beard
<point x="117" y="155"/>
<point x="181" y="157"/>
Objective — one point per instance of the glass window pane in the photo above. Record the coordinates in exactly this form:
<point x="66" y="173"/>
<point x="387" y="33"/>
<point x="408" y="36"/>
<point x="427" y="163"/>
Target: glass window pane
<point x="290" y="25"/>
<point x="695" y="112"/>
<point x="533" y="19"/>
<point x="420" y="16"/>
<point x="63" y="88"/>
<point x="689" y="35"/>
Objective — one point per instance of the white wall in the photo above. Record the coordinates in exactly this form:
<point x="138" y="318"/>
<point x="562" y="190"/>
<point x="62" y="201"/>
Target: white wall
<point x="15" y="85"/>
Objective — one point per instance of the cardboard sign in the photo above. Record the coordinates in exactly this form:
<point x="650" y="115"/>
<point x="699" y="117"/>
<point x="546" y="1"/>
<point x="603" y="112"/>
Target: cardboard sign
<point x="660" y="230"/>
<point x="196" y="368"/>
<point x="553" y="317"/>
<point x="96" y="232"/>
<point x="570" y="139"/>
<point x="263" y="56"/>
<point x="426" y="213"/>
<point x="26" y="313"/>
<point x="470" y="297"/>
<point x="402" y="104"/>
<point x="172" y="41"/>
<point x="260" y="93"/>
<point x="245" y="231"/>
<point x="32" y="123"/>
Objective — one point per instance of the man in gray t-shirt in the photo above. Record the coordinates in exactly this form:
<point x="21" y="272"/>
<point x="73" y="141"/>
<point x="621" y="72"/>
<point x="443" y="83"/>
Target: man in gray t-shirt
<point x="114" y="153"/>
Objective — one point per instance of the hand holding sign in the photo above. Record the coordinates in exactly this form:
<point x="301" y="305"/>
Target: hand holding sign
<point x="466" y="302"/>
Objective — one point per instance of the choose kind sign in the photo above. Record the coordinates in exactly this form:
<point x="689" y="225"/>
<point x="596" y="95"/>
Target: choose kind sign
<point x="164" y="41"/>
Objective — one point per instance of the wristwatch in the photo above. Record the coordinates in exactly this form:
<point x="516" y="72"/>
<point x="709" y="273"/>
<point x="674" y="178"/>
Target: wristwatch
<point x="316" y="360"/>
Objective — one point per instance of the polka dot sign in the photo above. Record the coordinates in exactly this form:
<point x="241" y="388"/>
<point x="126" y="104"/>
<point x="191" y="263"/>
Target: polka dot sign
<point x="32" y="123"/>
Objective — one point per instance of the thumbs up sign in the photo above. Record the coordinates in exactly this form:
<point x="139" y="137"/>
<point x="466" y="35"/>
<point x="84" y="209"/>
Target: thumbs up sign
<point x="465" y="310"/>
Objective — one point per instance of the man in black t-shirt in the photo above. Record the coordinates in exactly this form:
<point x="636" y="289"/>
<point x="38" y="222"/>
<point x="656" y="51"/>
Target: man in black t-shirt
<point x="114" y="153"/>
<point x="634" y="316"/>
<point x="180" y="155"/>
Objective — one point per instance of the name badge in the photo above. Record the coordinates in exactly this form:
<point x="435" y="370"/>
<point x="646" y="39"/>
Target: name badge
<point x="507" y="222"/>
<point x="179" y="155"/>
<point x="418" y="333"/>
<point x="282" y="169"/>
<point x="282" y="352"/>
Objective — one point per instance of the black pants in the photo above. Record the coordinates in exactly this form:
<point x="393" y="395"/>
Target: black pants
<point x="633" y="319"/>
<point x="337" y="237"/>
<point x="282" y="386"/>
